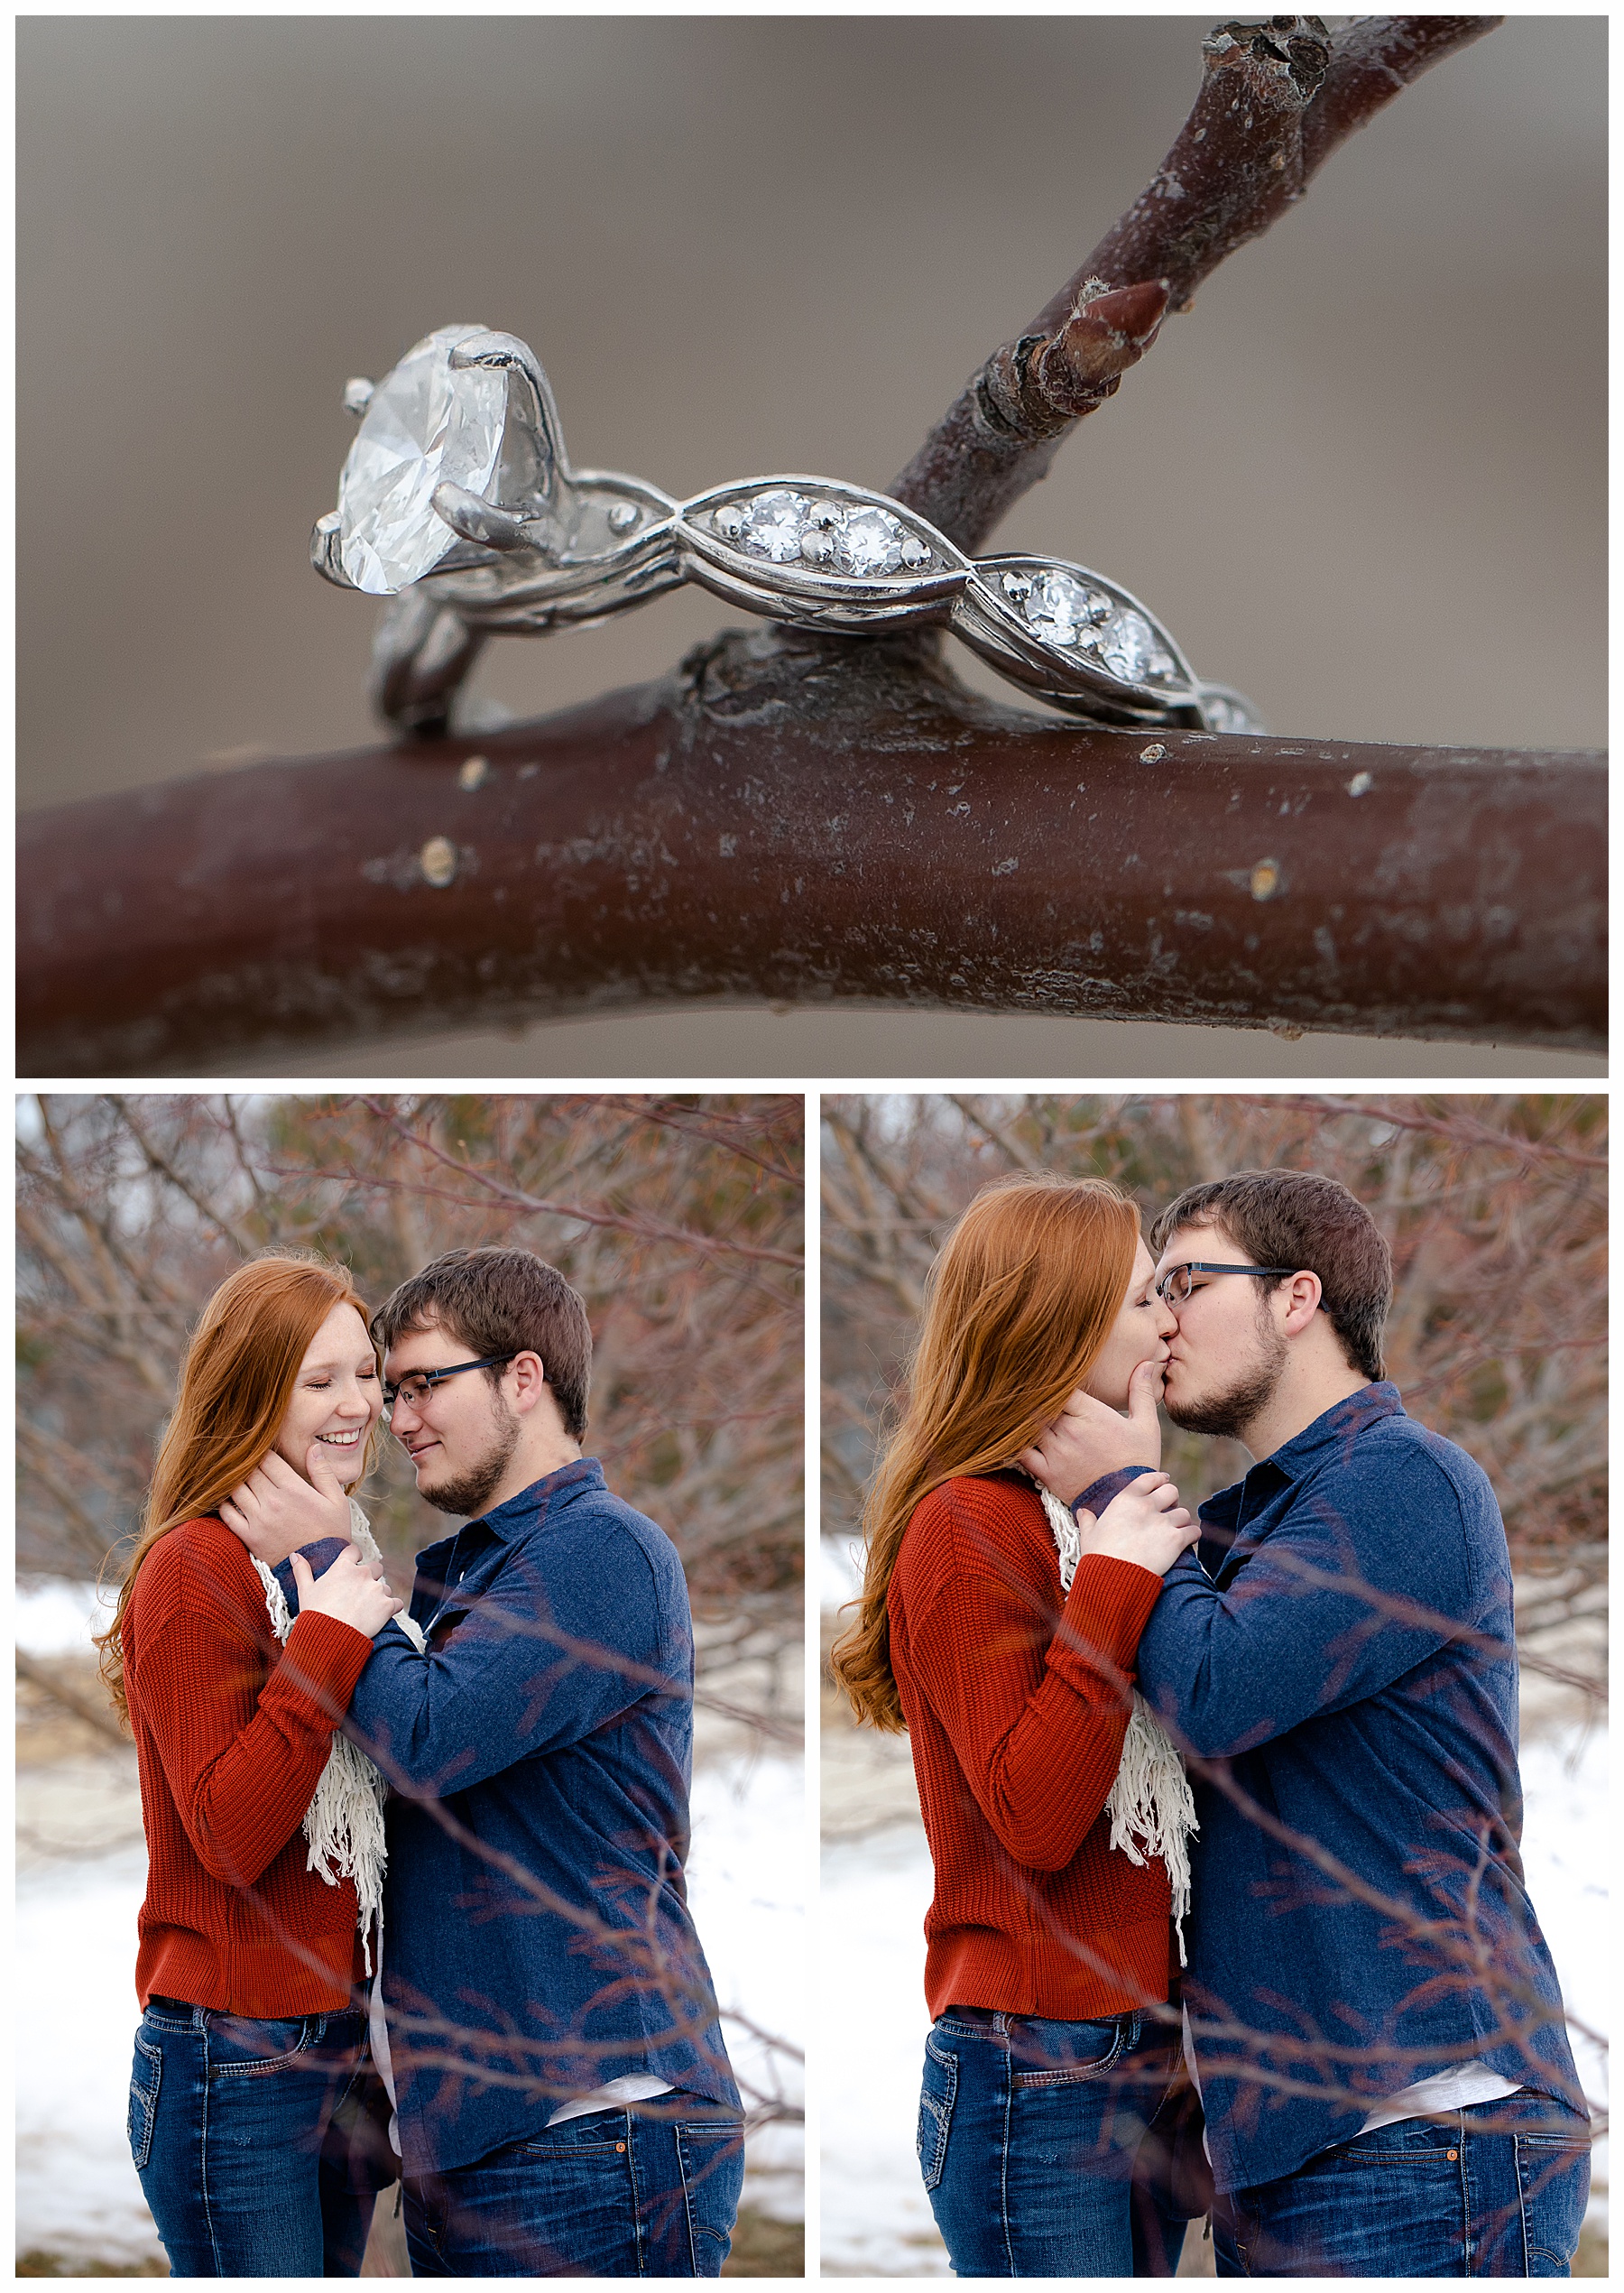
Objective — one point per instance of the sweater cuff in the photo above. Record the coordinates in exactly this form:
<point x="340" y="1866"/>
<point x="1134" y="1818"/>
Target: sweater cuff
<point x="321" y="1661"/>
<point x="1107" y="1609"/>
<point x="320" y="1556"/>
<point x="1099" y="1493"/>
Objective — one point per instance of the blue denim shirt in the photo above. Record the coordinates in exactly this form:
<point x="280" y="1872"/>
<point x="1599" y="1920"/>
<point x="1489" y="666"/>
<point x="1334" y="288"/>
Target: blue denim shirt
<point x="537" y="1935"/>
<point x="1377" y="1726"/>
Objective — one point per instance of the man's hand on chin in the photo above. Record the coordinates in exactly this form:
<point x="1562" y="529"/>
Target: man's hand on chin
<point x="1089" y="1438"/>
<point x="275" y="1509"/>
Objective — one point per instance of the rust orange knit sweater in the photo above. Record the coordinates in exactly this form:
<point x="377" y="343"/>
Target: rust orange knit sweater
<point x="1016" y="1736"/>
<point x="231" y="1733"/>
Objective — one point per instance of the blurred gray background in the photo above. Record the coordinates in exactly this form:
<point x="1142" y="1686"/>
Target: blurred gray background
<point x="1362" y="480"/>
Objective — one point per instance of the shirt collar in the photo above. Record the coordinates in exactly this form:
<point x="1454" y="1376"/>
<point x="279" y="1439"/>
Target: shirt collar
<point x="1334" y="1428"/>
<point x="520" y="1517"/>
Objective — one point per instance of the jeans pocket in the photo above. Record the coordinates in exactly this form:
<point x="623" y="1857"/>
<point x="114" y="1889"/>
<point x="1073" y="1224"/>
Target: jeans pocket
<point x="936" y="2097"/>
<point x="1066" y="2054"/>
<point x="711" y="2156"/>
<point x="245" y="2046"/>
<point x="1553" y="2179"/>
<point x="145" y="2077"/>
<point x="594" y="2134"/>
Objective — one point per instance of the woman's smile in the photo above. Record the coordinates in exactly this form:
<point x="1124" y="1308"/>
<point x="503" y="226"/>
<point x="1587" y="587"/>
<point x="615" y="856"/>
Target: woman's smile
<point x="336" y="1398"/>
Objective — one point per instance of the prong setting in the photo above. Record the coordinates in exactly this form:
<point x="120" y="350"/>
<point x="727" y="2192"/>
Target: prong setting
<point x="324" y="551"/>
<point x="475" y="519"/>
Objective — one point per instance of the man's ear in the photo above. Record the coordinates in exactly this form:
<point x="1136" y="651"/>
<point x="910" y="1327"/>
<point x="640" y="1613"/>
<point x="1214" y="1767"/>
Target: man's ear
<point x="529" y="1372"/>
<point x="1302" y="1296"/>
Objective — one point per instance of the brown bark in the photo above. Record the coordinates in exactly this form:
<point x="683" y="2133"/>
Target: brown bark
<point x="820" y="824"/>
<point x="1277" y="99"/>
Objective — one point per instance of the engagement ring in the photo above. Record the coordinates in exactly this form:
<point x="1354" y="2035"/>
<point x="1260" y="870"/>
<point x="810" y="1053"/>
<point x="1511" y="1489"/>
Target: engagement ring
<point x="459" y="502"/>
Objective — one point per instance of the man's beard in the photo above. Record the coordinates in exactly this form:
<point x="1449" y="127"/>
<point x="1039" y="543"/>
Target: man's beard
<point x="472" y="1490"/>
<point x="1225" y="1416"/>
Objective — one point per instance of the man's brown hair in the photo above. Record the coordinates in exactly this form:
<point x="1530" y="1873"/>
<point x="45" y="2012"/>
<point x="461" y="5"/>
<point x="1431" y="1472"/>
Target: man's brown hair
<point x="1312" y="1224"/>
<point x="500" y="1302"/>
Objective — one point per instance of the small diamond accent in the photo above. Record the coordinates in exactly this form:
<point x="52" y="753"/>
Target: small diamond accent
<point x="773" y="524"/>
<point x="1061" y="609"/>
<point x="1225" y="716"/>
<point x="782" y="525"/>
<point x="1131" y="650"/>
<point x="870" y="542"/>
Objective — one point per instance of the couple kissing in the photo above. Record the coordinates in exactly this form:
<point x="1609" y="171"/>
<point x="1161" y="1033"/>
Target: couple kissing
<point x="1229" y="1914"/>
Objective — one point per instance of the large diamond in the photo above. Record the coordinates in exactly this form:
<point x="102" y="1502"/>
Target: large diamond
<point x="870" y="542"/>
<point x="773" y="525"/>
<point x="1059" y="606"/>
<point x="424" y="424"/>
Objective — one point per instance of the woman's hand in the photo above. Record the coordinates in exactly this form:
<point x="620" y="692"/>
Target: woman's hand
<point x="354" y="1589"/>
<point x="1089" y="1438"/>
<point x="276" y="1510"/>
<point x="1143" y="1522"/>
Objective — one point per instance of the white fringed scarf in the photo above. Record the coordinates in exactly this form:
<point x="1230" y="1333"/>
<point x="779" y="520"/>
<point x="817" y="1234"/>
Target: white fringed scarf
<point x="1151" y="1799"/>
<point x="344" y="1823"/>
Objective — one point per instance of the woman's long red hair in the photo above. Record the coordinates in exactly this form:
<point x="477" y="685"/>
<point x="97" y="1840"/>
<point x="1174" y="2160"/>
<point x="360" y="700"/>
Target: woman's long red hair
<point x="237" y="1381"/>
<point x="1017" y="1308"/>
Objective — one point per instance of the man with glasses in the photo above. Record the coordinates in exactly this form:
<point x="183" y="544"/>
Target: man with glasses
<point x="1371" y="2013"/>
<point x="563" y="2101"/>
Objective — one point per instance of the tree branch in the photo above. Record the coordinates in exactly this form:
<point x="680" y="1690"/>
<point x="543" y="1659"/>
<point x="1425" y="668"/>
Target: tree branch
<point x="777" y="824"/>
<point x="92" y="1710"/>
<point x="1277" y="99"/>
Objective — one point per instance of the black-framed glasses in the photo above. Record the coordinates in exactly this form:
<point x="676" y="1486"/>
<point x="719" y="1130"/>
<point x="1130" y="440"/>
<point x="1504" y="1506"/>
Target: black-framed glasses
<point x="1176" y="1285"/>
<point x="417" y="1385"/>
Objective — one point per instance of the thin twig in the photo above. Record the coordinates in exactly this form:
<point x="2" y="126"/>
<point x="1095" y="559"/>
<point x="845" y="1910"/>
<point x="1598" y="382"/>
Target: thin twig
<point x="1277" y="99"/>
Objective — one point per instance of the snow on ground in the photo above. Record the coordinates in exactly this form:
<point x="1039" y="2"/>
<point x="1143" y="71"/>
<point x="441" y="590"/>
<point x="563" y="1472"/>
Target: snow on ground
<point x="1565" y="1829"/>
<point x="56" y="1617"/>
<point x="747" y="1885"/>
<point x="875" y="2218"/>
<point x="76" y="2013"/>
<point x="839" y="1570"/>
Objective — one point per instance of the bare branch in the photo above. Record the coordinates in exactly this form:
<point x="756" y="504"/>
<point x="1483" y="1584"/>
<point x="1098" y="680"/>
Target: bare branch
<point x="1002" y="1136"/>
<point x="96" y="1712"/>
<point x="1277" y="99"/>
<point x="918" y="846"/>
<point x="165" y="1168"/>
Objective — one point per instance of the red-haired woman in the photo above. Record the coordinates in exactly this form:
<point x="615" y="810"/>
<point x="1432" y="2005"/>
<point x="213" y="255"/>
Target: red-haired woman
<point x="264" y="1827"/>
<point x="1000" y="1631"/>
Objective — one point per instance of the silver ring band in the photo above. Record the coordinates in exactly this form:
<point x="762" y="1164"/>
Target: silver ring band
<point x="457" y="500"/>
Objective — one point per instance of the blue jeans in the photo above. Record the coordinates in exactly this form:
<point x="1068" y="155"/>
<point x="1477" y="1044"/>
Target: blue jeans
<point x="227" y="2116"/>
<point x="1440" y="2197"/>
<point x="609" y="2195"/>
<point x="1028" y="2128"/>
